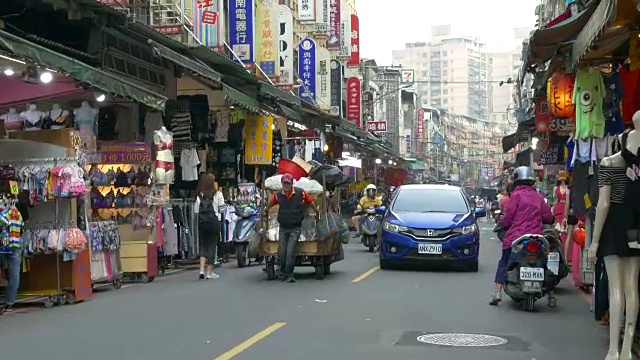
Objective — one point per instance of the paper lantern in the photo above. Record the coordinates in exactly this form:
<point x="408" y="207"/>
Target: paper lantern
<point x="579" y="236"/>
<point x="560" y="95"/>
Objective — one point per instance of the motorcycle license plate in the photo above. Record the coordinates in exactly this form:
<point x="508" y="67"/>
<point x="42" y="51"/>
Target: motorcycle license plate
<point x="531" y="274"/>
<point x="553" y="262"/>
<point x="430" y="249"/>
<point x="531" y="286"/>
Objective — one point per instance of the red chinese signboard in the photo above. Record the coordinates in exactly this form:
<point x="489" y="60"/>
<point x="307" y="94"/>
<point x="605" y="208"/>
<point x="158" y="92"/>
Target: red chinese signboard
<point x="353" y="101"/>
<point x="545" y="122"/>
<point x="420" y="131"/>
<point x="354" y="61"/>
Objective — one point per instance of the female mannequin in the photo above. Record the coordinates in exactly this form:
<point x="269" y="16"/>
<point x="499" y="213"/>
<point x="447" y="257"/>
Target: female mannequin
<point x="612" y="239"/>
<point x="85" y="118"/>
<point x="12" y="120"/>
<point x="165" y="168"/>
<point x="33" y="118"/>
<point x="57" y="117"/>
<point x="561" y="208"/>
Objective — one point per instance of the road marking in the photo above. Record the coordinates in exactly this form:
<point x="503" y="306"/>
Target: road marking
<point x="366" y="274"/>
<point x="250" y="341"/>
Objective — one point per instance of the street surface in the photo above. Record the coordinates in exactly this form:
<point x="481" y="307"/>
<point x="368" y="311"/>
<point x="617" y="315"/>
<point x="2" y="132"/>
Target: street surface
<point x="375" y="316"/>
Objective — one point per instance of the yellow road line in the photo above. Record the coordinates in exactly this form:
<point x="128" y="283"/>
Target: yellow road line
<point x="366" y="274"/>
<point x="250" y="341"/>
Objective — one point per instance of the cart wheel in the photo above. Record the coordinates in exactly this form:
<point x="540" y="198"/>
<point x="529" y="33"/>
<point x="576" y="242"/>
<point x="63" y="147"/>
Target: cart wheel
<point x="259" y="260"/>
<point x="70" y="297"/>
<point x="326" y="265"/>
<point x="271" y="270"/>
<point x="117" y="284"/>
<point x="145" y="278"/>
<point x="48" y="303"/>
<point x="320" y="272"/>
<point x="151" y="278"/>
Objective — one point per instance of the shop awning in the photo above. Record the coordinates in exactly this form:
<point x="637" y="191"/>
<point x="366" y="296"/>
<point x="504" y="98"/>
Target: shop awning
<point x="181" y="60"/>
<point x="241" y="99"/>
<point x="80" y="71"/>
<point x="418" y="165"/>
<point x="290" y="114"/>
<point x="277" y="94"/>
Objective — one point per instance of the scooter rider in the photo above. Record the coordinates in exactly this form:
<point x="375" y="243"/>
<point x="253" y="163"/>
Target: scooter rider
<point x="369" y="200"/>
<point x="525" y="214"/>
<point x="390" y="191"/>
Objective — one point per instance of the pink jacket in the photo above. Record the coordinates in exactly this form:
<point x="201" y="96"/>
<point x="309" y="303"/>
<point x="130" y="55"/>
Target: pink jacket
<point x="526" y="212"/>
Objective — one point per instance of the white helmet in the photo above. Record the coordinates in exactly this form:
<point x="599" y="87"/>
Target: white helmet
<point x="371" y="187"/>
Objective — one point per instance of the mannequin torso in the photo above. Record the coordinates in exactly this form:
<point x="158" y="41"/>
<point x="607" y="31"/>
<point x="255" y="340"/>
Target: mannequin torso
<point x="12" y="120"/>
<point x="85" y="118"/>
<point x="32" y="118"/>
<point x="57" y="117"/>
<point x="165" y="168"/>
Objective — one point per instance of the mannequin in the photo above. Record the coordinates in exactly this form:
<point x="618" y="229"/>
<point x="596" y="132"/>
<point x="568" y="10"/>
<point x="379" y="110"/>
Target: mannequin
<point x="57" y="117"/>
<point x="165" y="168"/>
<point x="612" y="226"/>
<point x="561" y="194"/>
<point x="85" y="118"/>
<point x="32" y="118"/>
<point x="12" y="120"/>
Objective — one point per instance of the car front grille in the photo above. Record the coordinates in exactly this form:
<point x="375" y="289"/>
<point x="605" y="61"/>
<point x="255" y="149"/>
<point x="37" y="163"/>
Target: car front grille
<point x="430" y="234"/>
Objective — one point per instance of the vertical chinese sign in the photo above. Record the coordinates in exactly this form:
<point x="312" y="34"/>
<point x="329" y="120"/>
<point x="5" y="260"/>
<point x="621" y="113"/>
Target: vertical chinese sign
<point x="344" y="51"/>
<point x="333" y="43"/>
<point x="336" y="87"/>
<point x="407" y="139"/>
<point x="208" y="23"/>
<point x="323" y="62"/>
<point x="307" y="70"/>
<point x="285" y="52"/>
<point x="367" y="108"/>
<point x="354" y="60"/>
<point x="241" y="31"/>
<point x="353" y="101"/>
<point x="307" y="10"/>
<point x="420" y="132"/>
<point x="323" y="10"/>
<point x="267" y="39"/>
<point x="258" y="149"/>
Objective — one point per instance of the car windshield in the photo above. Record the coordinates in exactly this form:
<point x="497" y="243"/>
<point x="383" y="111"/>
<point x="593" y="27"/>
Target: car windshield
<point x="430" y="200"/>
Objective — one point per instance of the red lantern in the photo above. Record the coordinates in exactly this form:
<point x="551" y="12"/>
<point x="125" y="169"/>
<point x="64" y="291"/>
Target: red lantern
<point x="560" y="95"/>
<point x="579" y="236"/>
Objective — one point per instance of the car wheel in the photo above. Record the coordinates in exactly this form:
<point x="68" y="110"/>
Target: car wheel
<point x="473" y="266"/>
<point x="384" y="264"/>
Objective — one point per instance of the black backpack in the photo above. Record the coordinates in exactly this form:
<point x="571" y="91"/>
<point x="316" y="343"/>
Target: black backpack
<point x="206" y="213"/>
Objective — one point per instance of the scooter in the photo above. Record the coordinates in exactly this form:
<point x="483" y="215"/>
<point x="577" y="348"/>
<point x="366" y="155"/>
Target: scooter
<point x="527" y="277"/>
<point x="556" y="262"/>
<point x="369" y="226"/>
<point x="246" y="236"/>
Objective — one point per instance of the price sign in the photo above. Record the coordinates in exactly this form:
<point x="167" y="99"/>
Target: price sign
<point x="125" y="153"/>
<point x="561" y="125"/>
<point x="14" y="188"/>
<point x="74" y="136"/>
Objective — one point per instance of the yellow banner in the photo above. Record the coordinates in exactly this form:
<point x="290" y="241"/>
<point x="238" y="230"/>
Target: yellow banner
<point x="268" y="38"/>
<point x="258" y="144"/>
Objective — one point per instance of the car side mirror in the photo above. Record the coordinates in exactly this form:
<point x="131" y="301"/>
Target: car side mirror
<point x="480" y="212"/>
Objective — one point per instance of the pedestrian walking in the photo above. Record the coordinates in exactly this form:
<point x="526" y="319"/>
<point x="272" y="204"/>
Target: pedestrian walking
<point x="208" y="225"/>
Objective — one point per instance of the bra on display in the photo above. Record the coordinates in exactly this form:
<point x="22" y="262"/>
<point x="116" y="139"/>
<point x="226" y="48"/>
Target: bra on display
<point x="124" y="179"/>
<point x="57" y="122"/>
<point x="162" y="145"/>
<point x="99" y="201"/>
<point x="98" y="178"/>
<point x="123" y="200"/>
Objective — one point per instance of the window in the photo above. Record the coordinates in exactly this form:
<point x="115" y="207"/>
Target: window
<point x="430" y="200"/>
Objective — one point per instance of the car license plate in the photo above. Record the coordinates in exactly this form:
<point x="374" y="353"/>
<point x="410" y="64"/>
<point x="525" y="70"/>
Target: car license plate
<point x="531" y="274"/>
<point x="430" y="249"/>
<point x="553" y="262"/>
<point x="532" y="286"/>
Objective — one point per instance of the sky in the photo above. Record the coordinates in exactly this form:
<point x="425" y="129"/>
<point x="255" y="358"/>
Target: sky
<point x="388" y="25"/>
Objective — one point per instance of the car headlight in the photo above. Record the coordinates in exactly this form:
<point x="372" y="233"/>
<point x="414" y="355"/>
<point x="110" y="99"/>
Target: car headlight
<point x="394" y="228"/>
<point x="465" y="229"/>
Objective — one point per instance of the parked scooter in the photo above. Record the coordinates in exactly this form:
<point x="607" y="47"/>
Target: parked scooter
<point x="527" y="277"/>
<point x="369" y="226"/>
<point x="246" y="236"/>
<point x="556" y="261"/>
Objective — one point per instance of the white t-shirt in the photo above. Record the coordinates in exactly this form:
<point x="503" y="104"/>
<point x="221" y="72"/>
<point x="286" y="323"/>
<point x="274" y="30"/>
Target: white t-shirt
<point x="189" y="162"/>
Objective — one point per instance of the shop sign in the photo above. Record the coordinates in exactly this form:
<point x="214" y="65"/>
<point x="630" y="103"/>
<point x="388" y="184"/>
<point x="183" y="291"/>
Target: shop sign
<point x="344" y="52"/>
<point x="354" y="101"/>
<point x="561" y="125"/>
<point x="323" y="60"/>
<point x="407" y="76"/>
<point x="267" y="38"/>
<point x="323" y="10"/>
<point x="307" y="70"/>
<point x="333" y="43"/>
<point x="377" y="126"/>
<point x="169" y="29"/>
<point x="407" y="140"/>
<point x="208" y="23"/>
<point x="285" y="81"/>
<point x="14" y="188"/>
<point x="354" y="60"/>
<point x="307" y="10"/>
<point x="241" y="31"/>
<point x="367" y="107"/>
<point x="336" y="87"/>
<point x="419" y="131"/>
<point x="259" y="141"/>
<point x="125" y="153"/>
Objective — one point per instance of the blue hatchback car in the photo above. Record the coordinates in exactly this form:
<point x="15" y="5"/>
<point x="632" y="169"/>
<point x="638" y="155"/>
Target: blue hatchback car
<point x="428" y="224"/>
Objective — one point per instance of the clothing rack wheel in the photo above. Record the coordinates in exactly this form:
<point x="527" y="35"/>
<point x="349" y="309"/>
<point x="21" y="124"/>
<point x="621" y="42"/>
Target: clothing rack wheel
<point x="117" y="284"/>
<point x="70" y="297"/>
<point x="49" y="302"/>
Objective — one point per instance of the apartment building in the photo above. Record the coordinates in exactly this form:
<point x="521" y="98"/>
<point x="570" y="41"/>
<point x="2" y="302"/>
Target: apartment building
<point x="451" y="72"/>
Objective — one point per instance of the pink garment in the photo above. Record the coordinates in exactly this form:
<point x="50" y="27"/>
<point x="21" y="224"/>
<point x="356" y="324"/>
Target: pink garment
<point x="159" y="232"/>
<point x="559" y="214"/>
<point x="576" y="263"/>
<point x="504" y="202"/>
<point x="525" y="214"/>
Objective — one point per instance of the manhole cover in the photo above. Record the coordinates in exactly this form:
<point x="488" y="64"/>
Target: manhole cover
<point x="462" y="340"/>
